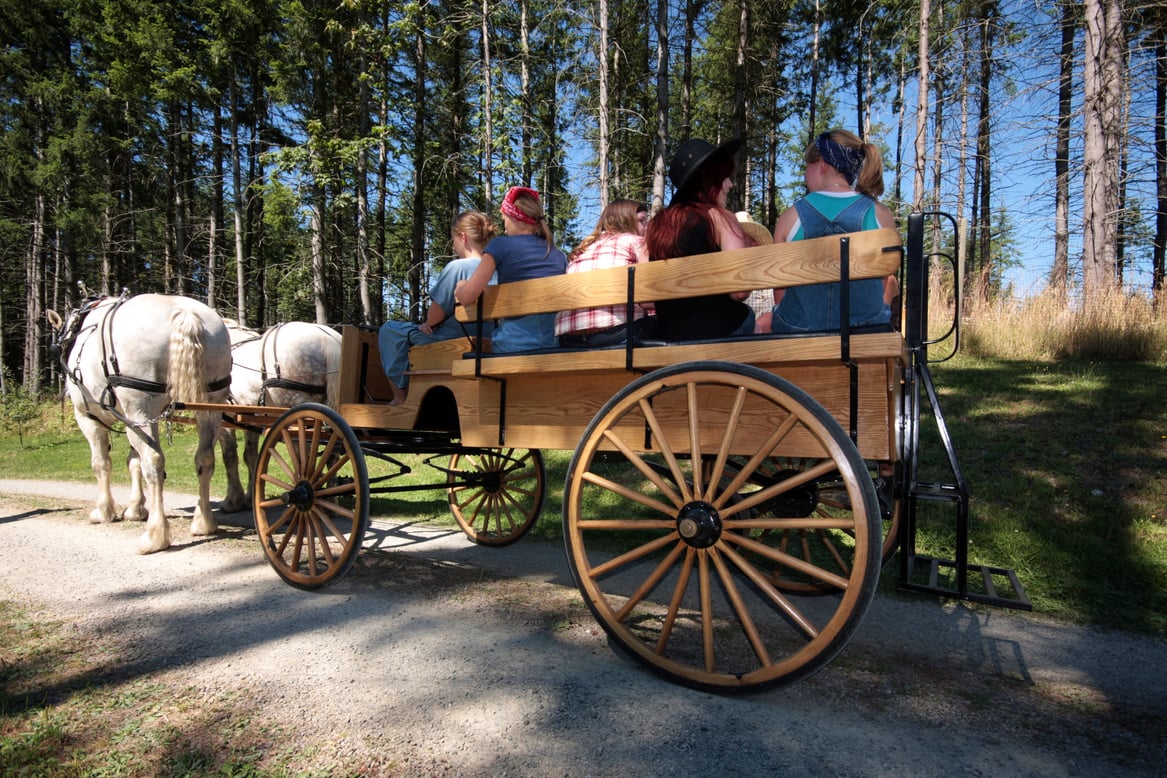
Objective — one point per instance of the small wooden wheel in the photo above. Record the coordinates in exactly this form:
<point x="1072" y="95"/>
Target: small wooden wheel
<point x="311" y="476"/>
<point x="679" y="569"/>
<point x="496" y="493"/>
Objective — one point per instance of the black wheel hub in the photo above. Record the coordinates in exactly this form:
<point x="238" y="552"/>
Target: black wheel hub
<point x="699" y="524"/>
<point x="301" y="496"/>
<point x="491" y="482"/>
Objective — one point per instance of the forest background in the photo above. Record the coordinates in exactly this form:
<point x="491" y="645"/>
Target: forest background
<point x="300" y="160"/>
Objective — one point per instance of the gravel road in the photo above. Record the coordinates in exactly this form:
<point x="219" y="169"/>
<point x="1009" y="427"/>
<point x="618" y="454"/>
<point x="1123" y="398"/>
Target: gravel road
<point x="435" y="656"/>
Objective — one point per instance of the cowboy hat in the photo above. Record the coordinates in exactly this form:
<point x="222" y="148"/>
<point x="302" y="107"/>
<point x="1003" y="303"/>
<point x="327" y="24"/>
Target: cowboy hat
<point x="694" y="153"/>
<point x="754" y="231"/>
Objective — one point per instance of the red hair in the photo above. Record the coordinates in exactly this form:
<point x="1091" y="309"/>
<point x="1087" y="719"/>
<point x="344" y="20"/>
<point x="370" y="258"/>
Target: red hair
<point x="689" y="209"/>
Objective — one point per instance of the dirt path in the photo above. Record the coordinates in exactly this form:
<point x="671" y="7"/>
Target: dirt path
<point x="435" y="656"/>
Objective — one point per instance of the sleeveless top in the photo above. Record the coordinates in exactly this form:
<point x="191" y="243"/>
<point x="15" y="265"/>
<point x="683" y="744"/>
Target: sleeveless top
<point x="708" y="316"/>
<point x="815" y="308"/>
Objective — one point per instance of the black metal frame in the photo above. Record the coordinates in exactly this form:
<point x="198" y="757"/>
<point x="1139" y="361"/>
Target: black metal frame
<point x="918" y="387"/>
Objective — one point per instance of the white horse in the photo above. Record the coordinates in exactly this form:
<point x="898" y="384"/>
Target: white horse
<point x="126" y="360"/>
<point x="288" y="364"/>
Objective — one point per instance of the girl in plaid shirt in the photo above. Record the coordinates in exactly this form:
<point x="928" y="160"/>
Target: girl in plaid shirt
<point x="617" y="241"/>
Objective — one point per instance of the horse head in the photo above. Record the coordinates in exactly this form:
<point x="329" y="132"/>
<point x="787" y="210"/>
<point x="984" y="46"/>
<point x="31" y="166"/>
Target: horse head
<point x="65" y="330"/>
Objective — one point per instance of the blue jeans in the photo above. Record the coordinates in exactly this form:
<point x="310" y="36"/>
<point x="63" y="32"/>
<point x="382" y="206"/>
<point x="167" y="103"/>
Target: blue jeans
<point x="395" y="338"/>
<point x="815" y="308"/>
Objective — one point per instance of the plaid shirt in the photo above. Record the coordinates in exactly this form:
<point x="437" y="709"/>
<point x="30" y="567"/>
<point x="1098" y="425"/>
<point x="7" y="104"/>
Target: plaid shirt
<point x="613" y="249"/>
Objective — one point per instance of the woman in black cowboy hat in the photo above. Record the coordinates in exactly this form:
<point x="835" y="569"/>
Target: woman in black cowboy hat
<point x="698" y="222"/>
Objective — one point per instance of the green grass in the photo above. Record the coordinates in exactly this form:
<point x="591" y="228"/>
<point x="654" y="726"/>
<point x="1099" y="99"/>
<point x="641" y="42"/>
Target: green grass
<point x="1067" y="467"/>
<point x="1066" y="463"/>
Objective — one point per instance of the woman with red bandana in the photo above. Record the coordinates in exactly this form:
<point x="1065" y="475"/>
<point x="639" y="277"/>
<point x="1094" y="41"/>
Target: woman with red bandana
<point x="525" y="251"/>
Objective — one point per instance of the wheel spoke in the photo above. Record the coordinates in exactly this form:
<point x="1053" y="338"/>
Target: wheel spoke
<point x="631" y="556"/>
<point x="648" y="472"/>
<point x="787" y="560"/>
<point x="651" y="581"/>
<point x="627" y="493"/>
<point x="675" y="603"/>
<point x="752" y="465"/>
<point x="775" y="596"/>
<point x="666" y="451"/>
<point x="739" y="608"/>
<point x="726" y="446"/>
<point x="703" y="584"/>
<point x="695" y="438"/>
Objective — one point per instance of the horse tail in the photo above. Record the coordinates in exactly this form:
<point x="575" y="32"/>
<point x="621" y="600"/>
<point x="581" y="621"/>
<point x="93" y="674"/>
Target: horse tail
<point x="332" y="371"/>
<point x="187" y="377"/>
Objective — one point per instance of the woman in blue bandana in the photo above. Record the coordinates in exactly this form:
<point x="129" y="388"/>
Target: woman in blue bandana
<point x="844" y="176"/>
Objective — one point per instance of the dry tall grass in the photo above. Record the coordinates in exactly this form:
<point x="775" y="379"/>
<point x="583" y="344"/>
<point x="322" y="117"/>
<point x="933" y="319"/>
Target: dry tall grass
<point x="1119" y="327"/>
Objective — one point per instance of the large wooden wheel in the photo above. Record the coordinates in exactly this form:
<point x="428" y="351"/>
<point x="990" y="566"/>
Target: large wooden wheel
<point x="311" y="496"/>
<point x="679" y="569"/>
<point x="496" y="494"/>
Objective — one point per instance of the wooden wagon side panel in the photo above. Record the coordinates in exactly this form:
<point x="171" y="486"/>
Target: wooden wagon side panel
<point x="553" y="411"/>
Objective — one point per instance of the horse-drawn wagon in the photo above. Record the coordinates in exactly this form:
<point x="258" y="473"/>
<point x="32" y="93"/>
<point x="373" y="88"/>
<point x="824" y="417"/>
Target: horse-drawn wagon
<point x="729" y="503"/>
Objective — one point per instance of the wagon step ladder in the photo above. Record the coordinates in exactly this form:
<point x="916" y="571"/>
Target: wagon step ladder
<point x="919" y="572"/>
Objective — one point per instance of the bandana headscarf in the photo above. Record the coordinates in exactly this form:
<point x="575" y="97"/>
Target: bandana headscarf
<point x="847" y="161"/>
<point x="510" y="209"/>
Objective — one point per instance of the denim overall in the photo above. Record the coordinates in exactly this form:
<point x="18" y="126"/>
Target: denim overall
<point x="815" y="308"/>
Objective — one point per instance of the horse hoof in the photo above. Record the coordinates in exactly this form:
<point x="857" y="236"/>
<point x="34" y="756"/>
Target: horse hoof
<point x="148" y="546"/>
<point x="203" y="528"/>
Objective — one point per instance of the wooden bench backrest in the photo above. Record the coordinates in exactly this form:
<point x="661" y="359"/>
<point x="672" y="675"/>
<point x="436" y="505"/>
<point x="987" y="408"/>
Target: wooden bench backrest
<point x="871" y="254"/>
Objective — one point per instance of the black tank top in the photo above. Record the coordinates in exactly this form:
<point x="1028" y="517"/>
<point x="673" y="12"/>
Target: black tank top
<point x="709" y="316"/>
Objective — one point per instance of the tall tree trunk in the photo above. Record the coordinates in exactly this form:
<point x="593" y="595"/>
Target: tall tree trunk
<point x="662" y="57"/>
<point x="238" y="211"/>
<point x="602" y="61"/>
<point x="417" y="229"/>
<point x="816" y="33"/>
<point x="898" y="106"/>
<point x="33" y="291"/>
<point x="215" y="218"/>
<point x="361" y="184"/>
<point x="1059" y="281"/>
<point x="984" y="134"/>
<point x="921" y="109"/>
<point x="738" y="196"/>
<point x="966" y="68"/>
<point x="316" y="229"/>
<point x="176" y="135"/>
<point x="662" y="101"/>
<point x="1102" y="123"/>
<point x="528" y="164"/>
<point x="1160" y="244"/>
<point x="487" y="111"/>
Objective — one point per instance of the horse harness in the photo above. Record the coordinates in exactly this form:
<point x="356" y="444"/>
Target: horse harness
<point x="277" y="381"/>
<point x="63" y="342"/>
